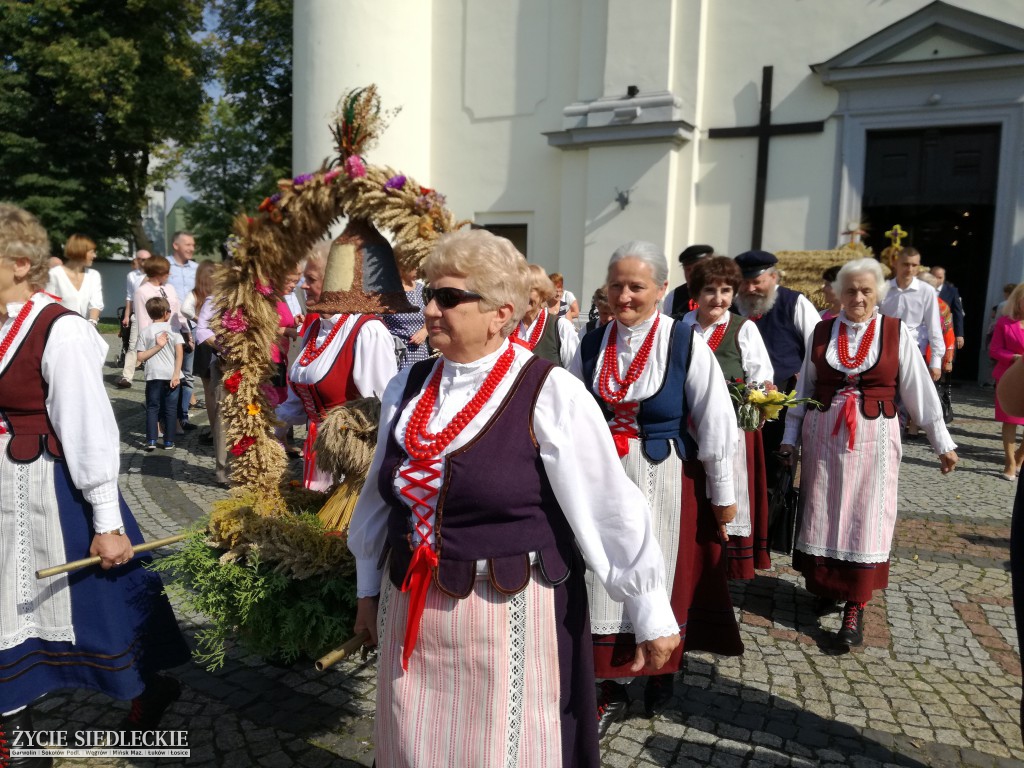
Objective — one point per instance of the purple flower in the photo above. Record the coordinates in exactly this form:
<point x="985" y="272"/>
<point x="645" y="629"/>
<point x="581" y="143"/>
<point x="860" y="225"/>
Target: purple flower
<point x="395" y="182"/>
<point x="298" y="181"/>
<point x="354" y="167"/>
<point x="275" y="198"/>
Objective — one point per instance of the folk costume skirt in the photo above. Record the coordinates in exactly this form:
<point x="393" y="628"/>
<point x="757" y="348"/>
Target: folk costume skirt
<point x="748" y="540"/>
<point x="495" y="680"/>
<point x="102" y="630"/>
<point x="695" y="570"/>
<point x="848" y="490"/>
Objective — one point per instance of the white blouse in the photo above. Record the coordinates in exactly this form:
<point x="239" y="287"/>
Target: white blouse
<point x="712" y="420"/>
<point x="916" y="389"/>
<point x="568" y="340"/>
<point x="80" y="300"/>
<point x="374" y="363"/>
<point x="757" y="366"/>
<point x="78" y="406"/>
<point x="607" y="512"/>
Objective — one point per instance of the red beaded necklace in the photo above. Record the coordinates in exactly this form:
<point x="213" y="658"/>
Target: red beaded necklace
<point x="610" y="368"/>
<point x="843" y="344"/>
<point x="717" y="335"/>
<point x="312" y="351"/>
<point x="15" y="327"/>
<point x="421" y="444"/>
<point x="535" y="335"/>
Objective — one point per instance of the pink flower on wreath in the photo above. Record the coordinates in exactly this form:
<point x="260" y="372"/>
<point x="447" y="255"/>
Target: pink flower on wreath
<point x="354" y="167"/>
<point x="234" y="321"/>
<point x="332" y="174"/>
<point x="263" y="289"/>
<point x="243" y="445"/>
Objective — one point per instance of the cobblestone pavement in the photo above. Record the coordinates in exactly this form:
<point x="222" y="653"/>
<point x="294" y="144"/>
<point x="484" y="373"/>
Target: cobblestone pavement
<point x="937" y="681"/>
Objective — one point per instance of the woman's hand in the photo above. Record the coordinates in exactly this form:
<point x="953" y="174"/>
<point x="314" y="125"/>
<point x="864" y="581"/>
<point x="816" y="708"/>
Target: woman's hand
<point x="112" y="549"/>
<point x="419" y="337"/>
<point x="653" y="654"/>
<point x="366" y="619"/>
<point x="787" y="455"/>
<point x="724" y="514"/>
<point x="948" y="461"/>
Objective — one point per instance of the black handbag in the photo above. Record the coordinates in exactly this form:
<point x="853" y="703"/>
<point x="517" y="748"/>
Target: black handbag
<point x="783" y="512"/>
<point x="201" y="359"/>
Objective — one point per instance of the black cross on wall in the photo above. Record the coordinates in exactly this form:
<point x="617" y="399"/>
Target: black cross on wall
<point x="764" y="130"/>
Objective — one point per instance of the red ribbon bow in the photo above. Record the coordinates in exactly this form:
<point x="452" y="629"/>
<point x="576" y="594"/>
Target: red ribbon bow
<point x="848" y="416"/>
<point x="417" y="579"/>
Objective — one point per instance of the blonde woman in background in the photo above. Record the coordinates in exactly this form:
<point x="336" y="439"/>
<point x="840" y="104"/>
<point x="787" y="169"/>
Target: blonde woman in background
<point x="79" y="287"/>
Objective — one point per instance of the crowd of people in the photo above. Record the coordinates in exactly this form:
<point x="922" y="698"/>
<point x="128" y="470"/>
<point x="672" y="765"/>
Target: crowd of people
<point x="589" y="491"/>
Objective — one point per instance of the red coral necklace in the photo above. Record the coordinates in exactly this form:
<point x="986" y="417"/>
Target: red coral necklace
<point x="535" y="335"/>
<point x="843" y="345"/>
<point x="421" y="444"/>
<point x="15" y="327"/>
<point x="312" y="351"/>
<point x="717" y="335"/>
<point x="610" y="368"/>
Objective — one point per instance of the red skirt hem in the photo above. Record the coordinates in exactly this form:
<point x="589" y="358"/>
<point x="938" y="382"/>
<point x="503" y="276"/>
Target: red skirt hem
<point x="841" y="579"/>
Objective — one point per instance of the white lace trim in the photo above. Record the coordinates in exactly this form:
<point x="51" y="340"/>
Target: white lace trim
<point x="23" y="546"/>
<point x="665" y="631"/>
<point x="835" y="554"/>
<point x="733" y="529"/>
<point x="516" y="674"/>
<point x="29" y="631"/>
<point x="611" y="627"/>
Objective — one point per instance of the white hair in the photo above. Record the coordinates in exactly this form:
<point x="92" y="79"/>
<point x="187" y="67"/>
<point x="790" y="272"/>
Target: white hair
<point x="862" y="267"/>
<point x="648" y="253"/>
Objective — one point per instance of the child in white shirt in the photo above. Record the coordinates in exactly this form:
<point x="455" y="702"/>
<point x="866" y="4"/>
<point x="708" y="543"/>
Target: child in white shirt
<point x="162" y="349"/>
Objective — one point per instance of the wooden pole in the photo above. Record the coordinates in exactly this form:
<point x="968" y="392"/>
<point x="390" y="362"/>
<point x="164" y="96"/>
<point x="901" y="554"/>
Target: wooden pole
<point x="346" y="650"/>
<point x="146" y="546"/>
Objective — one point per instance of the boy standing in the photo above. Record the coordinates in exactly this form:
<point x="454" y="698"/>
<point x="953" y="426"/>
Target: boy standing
<point x="162" y="348"/>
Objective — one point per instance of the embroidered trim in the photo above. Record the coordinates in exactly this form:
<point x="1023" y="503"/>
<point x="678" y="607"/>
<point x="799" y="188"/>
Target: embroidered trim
<point x="664" y="631"/>
<point x="835" y="554"/>
<point x="516" y="674"/>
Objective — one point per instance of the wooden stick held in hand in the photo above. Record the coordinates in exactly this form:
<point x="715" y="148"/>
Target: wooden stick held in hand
<point x="146" y="546"/>
<point x="343" y="652"/>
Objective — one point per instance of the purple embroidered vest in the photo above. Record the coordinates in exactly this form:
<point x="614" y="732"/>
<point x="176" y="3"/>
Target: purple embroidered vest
<point x="495" y="502"/>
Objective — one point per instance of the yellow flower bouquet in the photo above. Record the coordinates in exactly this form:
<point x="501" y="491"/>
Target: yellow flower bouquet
<point x="759" y="401"/>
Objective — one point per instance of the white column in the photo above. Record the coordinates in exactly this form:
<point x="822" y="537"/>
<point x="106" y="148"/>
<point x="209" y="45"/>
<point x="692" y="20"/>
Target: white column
<point x="344" y="44"/>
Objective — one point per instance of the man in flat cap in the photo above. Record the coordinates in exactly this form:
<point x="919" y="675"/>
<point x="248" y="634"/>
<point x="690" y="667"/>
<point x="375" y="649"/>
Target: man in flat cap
<point x="786" y="320"/>
<point x="679" y="302"/>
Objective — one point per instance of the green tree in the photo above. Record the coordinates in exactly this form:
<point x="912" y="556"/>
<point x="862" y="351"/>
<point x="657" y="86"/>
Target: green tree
<point x="88" y="90"/>
<point x="246" y="143"/>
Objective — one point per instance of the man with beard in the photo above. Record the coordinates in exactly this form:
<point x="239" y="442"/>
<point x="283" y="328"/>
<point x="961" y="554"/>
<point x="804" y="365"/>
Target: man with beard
<point x="678" y="302"/>
<point x="786" y="320"/>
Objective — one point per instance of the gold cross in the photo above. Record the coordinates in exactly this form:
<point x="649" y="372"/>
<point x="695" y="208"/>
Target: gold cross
<point x="895" y="235"/>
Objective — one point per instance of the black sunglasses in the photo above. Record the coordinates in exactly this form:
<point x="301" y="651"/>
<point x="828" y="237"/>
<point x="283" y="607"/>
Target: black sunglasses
<point x="448" y="298"/>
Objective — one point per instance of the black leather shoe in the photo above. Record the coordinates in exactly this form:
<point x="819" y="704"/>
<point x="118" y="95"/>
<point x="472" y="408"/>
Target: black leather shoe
<point x="124" y="383"/>
<point x="658" y="692"/>
<point x="19" y="721"/>
<point x="823" y="606"/>
<point x="612" y="703"/>
<point x="148" y="708"/>
<point x="186" y="426"/>
<point x="852" y="633"/>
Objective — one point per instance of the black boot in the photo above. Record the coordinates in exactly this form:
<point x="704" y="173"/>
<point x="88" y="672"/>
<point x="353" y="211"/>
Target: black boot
<point x="612" y="703"/>
<point x="148" y="708"/>
<point x="9" y="725"/>
<point x="658" y="692"/>
<point x="852" y="632"/>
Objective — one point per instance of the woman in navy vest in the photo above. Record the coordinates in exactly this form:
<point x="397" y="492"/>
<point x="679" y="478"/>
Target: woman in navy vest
<point x="743" y="357"/>
<point x="493" y="474"/>
<point x="857" y="366"/>
<point x="107" y="628"/>
<point x="668" y="408"/>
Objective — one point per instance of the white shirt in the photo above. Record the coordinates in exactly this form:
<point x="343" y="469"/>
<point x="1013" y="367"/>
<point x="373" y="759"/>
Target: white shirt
<point x="78" y="406"/>
<point x="917" y="305"/>
<point x="373" y="365"/>
<point x="132" y="283"/>
<point x="916" y="389"/>
<point x="160" y="367"/>
<point x="712" y="420"/>
<point x="607" y="512"/>
<point x="757" y="366"/>
<point x="568" y="339"/>
<point x="80" y="300"/>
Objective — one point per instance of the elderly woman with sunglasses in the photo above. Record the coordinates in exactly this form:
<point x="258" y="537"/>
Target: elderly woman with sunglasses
<point x="494" y="474"/>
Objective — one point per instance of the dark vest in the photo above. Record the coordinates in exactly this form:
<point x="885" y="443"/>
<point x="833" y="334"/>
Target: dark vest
<point x="728" y="354"/>
<point x="661" y="419"/>
<point x="878" y="384"/>
<point x="23" y="393"/>
<point x="681" y="302"/>
<point x="495" y="501"/>
<point x="781" y="336"/>
<point x="549" y="345"/>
